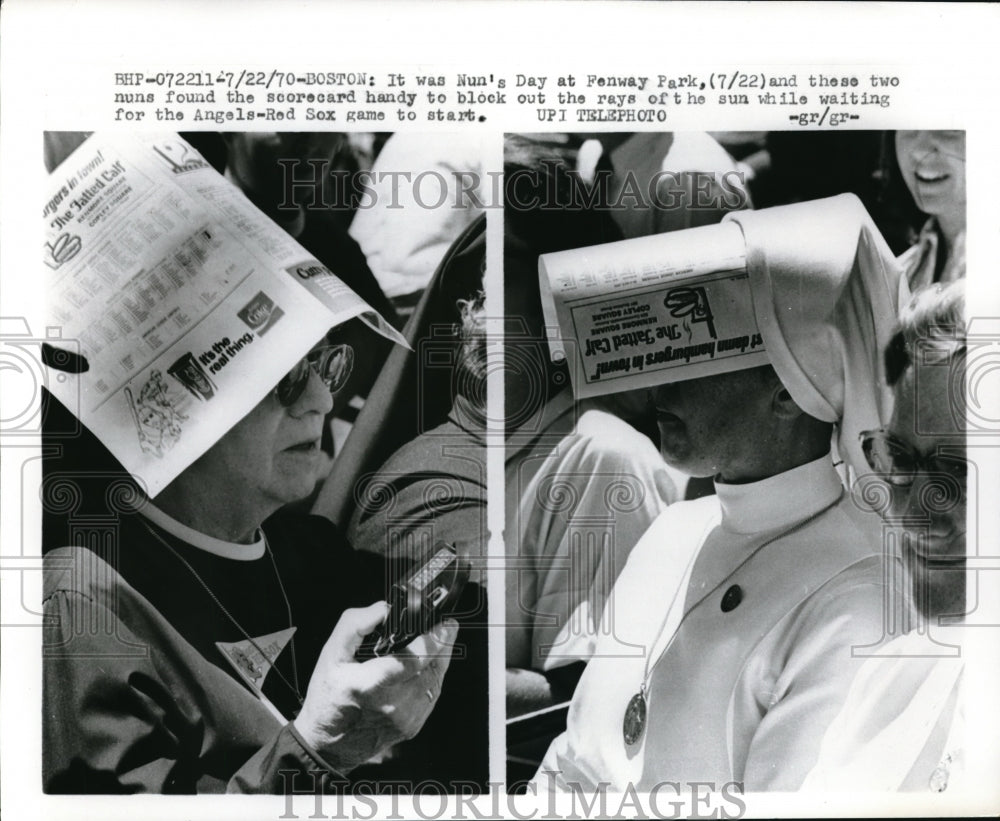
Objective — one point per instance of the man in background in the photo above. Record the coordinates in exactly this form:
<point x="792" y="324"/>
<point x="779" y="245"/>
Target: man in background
<point x="903" y="723"/>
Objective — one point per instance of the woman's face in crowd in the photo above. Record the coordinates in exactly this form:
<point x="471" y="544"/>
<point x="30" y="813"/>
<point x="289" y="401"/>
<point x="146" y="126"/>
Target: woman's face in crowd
<point x="933" y="166"/>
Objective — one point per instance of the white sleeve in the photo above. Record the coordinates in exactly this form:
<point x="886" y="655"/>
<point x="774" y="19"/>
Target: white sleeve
<point x="817" y="671"/>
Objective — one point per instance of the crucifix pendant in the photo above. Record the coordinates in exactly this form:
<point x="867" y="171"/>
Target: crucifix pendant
<point x="635" y="718"/>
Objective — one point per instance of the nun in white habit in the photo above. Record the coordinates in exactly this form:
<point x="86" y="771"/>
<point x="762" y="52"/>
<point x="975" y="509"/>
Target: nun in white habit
<point x="733" y="634"/>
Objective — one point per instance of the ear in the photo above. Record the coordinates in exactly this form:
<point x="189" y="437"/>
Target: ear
<point x="782" y="404"/>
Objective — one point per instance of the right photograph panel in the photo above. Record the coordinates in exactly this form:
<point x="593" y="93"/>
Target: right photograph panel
<point x="735" y="465"/>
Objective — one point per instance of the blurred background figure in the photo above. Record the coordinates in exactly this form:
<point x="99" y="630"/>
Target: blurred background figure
<point x="917" y="680"/>
<point x="288" y="175"/>
<point x="427" y="190"/>
<point x="923" y="451"/>
<point x="567" y="531"/>
<point x="932" y="164"/>
<point x="434" y="487"/>
<point x="684" y="179"/>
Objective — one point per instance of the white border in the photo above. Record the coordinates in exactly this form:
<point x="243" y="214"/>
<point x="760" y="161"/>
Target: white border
<point x="55" y="67"/>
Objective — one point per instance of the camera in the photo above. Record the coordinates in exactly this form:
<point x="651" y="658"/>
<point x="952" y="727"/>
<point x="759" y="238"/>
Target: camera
<point x="418" y="601"/>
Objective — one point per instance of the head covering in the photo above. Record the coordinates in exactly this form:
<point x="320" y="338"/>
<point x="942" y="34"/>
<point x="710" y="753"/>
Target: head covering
<point x="825" y="287"/>
<point x="157" y="370"/>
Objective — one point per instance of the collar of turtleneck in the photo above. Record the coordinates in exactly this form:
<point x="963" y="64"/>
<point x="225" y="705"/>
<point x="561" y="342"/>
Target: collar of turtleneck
<point x="781" y="500"/>
<point x="217" y="547"/>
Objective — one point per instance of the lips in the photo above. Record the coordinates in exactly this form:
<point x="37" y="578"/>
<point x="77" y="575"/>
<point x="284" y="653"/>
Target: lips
<point x="940" y="549"/>
<point x="945" y="564"/>
<point x="931" y="177"/>
<point x="932" y="557"/>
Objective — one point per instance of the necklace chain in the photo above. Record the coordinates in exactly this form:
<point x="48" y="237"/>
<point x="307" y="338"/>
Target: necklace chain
<point x="648" y="671"/>
<point x="292" y="685"/>
<point x="634" y="721"/>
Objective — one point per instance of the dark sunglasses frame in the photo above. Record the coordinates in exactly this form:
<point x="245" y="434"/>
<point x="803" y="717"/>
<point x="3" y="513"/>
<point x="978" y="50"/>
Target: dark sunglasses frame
<point x="905" y="461"/>
<point x="332" y="363"/>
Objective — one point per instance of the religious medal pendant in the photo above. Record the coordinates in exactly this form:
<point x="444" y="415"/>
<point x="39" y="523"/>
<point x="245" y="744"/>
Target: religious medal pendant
<point x="634" y="723"/>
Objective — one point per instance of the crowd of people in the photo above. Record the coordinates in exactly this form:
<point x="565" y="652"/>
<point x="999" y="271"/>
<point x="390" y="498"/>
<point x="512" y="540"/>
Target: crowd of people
<point x="691" y="568"/>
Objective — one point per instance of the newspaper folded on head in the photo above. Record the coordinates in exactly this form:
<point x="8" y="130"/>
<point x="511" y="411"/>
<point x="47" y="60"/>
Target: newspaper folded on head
<point x="185" y="302"/>
<point x="642" y="312"/>
<point x="810" y="288"/>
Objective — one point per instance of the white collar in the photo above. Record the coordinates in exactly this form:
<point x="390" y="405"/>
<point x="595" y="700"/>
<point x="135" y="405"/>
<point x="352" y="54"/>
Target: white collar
<point x="780" y="500"/>
<point x="202" y="541"/>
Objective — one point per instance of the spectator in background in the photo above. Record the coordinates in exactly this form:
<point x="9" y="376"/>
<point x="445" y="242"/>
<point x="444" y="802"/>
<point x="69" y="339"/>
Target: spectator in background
<point x="425" y="190"/>
<point x="290" y="174"/>
<point x="434" y="487"/>
<point x="924" y="446"/>
<point x="932" y="164"/>
<point x="684" y="179"/>
<point x="581" y="484"/>
<point x="902" y="725"/>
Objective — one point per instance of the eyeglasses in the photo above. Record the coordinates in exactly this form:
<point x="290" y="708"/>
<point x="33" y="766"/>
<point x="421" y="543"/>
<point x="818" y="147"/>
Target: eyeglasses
<point x="899" y="462"/>
<point x="332" y="363"/>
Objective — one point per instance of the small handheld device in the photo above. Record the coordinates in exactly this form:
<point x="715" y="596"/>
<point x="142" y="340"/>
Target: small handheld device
<point x="418" y="601"/>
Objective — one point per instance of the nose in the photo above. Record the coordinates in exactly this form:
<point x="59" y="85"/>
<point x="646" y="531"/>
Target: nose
<point x="901" y="508"/>
<point x="924" y="145"/>
<point x="314" y="399"/>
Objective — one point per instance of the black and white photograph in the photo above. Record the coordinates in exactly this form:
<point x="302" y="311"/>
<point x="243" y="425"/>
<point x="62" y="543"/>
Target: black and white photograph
<point x="498" y="410"/>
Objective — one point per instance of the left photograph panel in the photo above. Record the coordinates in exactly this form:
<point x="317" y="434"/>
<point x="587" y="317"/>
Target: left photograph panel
<point x="264" y="464"/>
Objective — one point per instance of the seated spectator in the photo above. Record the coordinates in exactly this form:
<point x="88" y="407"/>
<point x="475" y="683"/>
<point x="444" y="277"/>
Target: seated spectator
<point x="581" y="483"/>
<point x="434" y="487"/>
<point x="217" y="670"/>
<point x="903" y="724"/>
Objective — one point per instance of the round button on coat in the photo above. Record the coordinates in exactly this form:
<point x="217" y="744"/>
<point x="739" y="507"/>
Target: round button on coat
<point x="732" y="598"/>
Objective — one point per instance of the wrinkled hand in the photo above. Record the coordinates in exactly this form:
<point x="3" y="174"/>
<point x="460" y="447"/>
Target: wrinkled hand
<point x="356" y="710"/>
